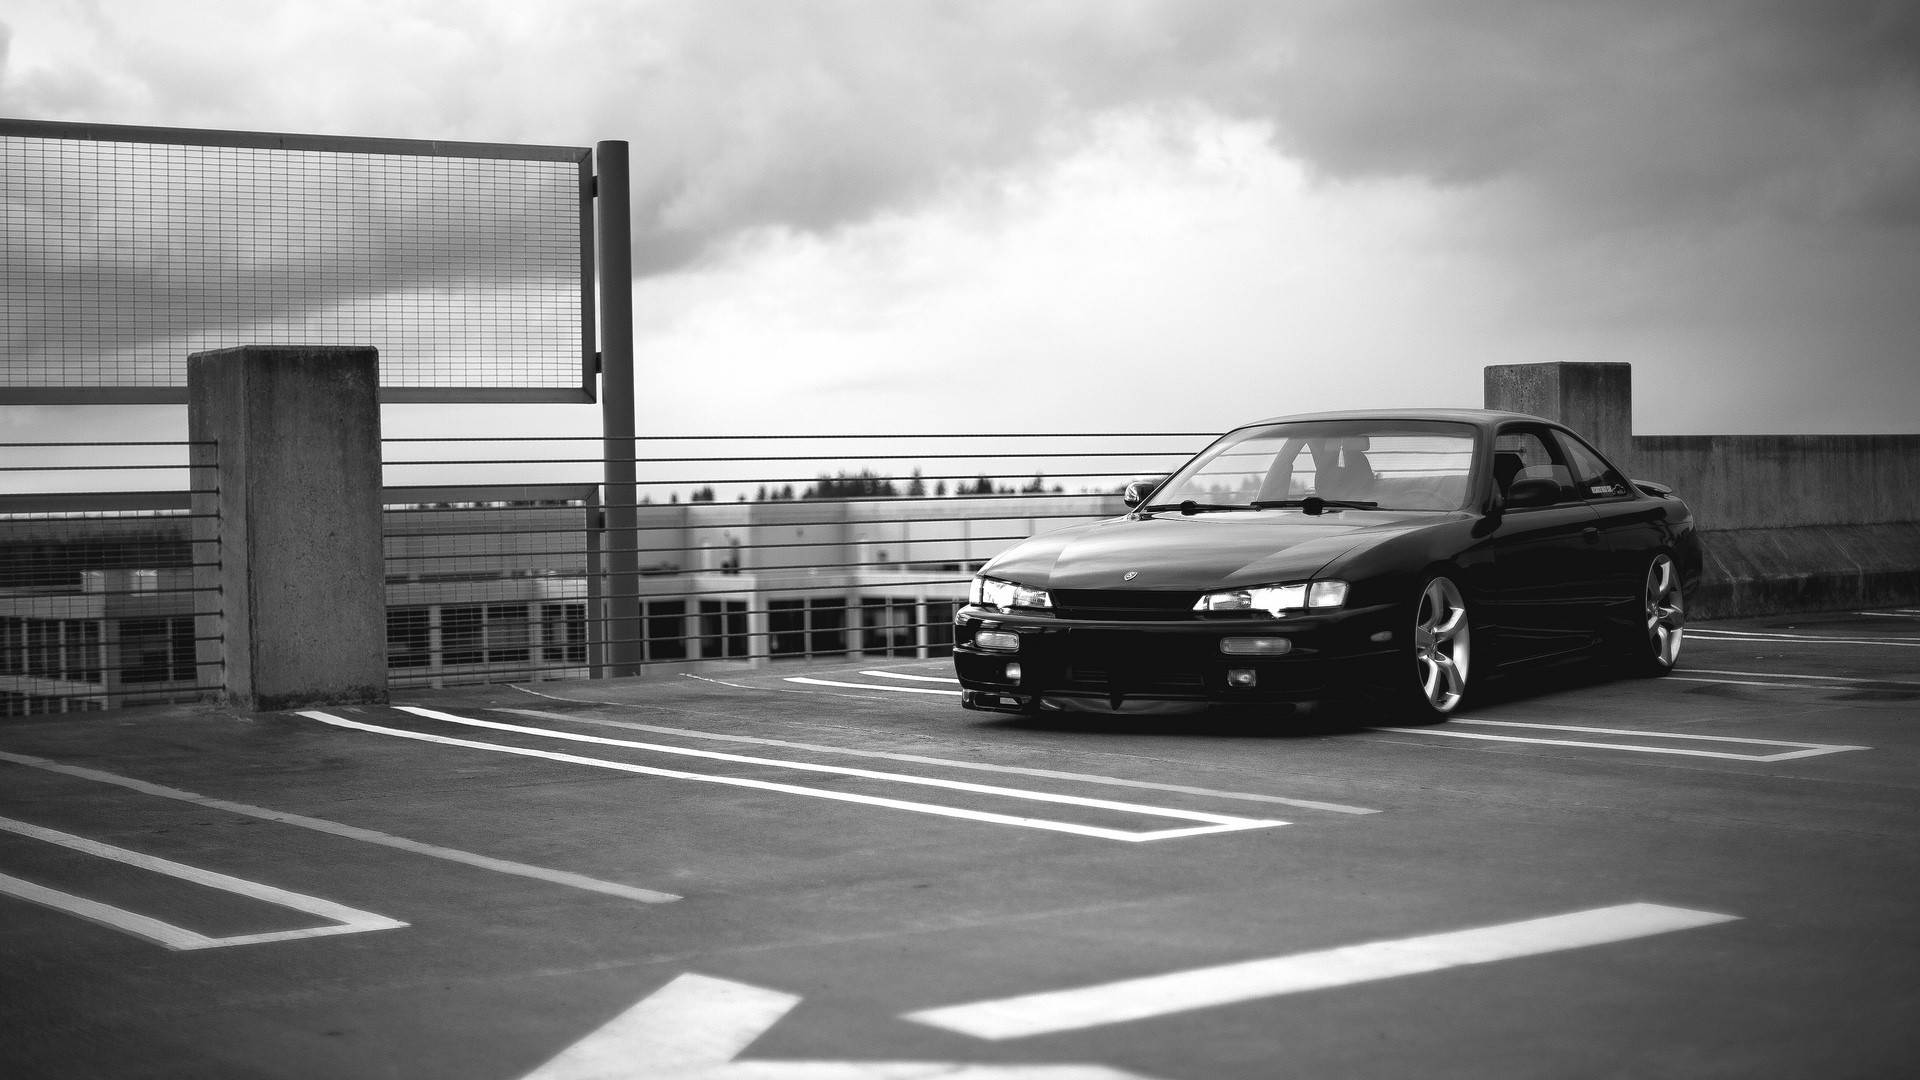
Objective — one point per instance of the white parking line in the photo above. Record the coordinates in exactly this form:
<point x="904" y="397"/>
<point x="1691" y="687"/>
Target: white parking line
<point x="346" y="920"/>
<point x="1786" y="680"/>
<point x="1800" y="750"/>
<point x="917" y="678"/>
<point x="1802" y="639"/>
<point x="1747" y="682"/>
<point x="1228" y="984"/>
<point x="1788" y="675"/>
<point x="1212" y="823"/>
<point x="351" y="832"/>
<point x="803" y="680"/>
<point x="948" y="763"/>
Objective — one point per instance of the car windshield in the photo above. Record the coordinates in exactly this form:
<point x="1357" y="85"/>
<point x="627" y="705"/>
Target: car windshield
<point x="1389" y="464"/>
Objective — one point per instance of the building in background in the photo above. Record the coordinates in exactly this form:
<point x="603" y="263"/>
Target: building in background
<point x="97" y="610"/>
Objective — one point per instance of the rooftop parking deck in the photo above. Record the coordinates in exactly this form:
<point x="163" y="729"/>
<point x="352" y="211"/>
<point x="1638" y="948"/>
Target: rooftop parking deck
<point x="835" y="864"/>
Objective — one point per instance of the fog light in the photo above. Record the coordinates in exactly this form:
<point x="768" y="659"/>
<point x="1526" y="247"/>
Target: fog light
<point x="1256" y="646"/>
<point x="997" y="641"/>
<point x="1013" y="673"/>
<point x="1242" y="677"/>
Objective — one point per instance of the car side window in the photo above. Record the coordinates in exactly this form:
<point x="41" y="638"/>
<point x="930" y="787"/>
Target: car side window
<point x="1592" y="478"/>
<point x="1524" y="462"/>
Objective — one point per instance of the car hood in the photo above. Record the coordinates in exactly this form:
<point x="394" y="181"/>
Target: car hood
<point x="1203" y="551"/>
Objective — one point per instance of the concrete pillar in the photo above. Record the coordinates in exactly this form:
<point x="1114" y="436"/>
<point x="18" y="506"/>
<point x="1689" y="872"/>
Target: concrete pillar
<point x="1595" y="400"/>
<point x="287" y="450"/>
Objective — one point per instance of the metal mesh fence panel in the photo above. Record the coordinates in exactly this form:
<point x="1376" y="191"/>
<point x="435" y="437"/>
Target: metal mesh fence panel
<point x="126" y="249"/>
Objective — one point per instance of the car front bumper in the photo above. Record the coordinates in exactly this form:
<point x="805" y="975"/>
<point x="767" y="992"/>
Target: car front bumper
<point x="1152" y="666"/>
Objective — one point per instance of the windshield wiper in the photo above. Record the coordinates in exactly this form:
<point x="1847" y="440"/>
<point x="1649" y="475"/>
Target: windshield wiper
<point x="1191" y="507"/>
<point x="1315" y="505"/>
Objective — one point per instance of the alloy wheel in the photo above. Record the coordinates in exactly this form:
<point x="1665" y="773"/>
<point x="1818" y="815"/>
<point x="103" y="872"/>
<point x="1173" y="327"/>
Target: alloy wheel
<point x="1666" y="616"/>
<point x="1442" y="645"/>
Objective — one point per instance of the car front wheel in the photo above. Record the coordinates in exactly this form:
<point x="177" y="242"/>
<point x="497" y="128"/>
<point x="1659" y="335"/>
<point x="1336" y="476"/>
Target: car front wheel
<point x="1442" y="653"/>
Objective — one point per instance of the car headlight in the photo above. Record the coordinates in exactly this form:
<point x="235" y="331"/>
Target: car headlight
<point x="992" y="592"/>
<point x="1277" y="599"/>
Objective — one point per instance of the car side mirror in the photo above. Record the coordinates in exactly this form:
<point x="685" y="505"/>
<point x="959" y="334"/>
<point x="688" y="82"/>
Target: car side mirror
<point x="1537" y="492"/>
<point x="1654" y="488"/>
<point x="1136" y="493"/>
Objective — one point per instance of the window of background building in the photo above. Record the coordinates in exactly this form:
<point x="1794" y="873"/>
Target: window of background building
<point x="939" y="628"/>
<point x="723" y="628"/>
<point x="156" y="650"/>
<point x="666" y="622"/>
<point x="40" y="704"/>
<point x="80" y="650"/>
<point x="887" y="626"/>
<point x="509" y="634"/>
<point x="826" y="626"/>
<point x="563" y="633"/>
<point x="409" y="637"/>
<point x="39" y="652"/>
<point x="787" y="627"/>
<point x="462" y="635"/>
<point x="13" y="646"/>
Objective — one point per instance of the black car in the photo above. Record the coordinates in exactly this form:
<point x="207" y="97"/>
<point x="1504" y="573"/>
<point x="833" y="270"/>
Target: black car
<point x="1399" y="557"/>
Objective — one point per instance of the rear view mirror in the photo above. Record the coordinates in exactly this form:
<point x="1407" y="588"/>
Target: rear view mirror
<point x="1137" y="492"/>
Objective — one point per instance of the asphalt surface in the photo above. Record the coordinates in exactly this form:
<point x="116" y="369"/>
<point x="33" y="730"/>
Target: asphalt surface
<point x="809" y="872"/>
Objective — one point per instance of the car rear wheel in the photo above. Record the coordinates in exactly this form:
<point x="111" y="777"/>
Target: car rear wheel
<point x="1442" y="652"/>
<point x="1663" y="619"/>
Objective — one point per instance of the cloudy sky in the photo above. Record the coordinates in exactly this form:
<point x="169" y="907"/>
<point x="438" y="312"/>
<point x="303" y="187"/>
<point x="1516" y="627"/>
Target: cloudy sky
<point x="1112" y="215"/>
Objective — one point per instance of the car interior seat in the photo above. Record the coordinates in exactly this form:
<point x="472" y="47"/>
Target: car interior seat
<point x="1506" y="466"/>
<point x="1353" y="478"/>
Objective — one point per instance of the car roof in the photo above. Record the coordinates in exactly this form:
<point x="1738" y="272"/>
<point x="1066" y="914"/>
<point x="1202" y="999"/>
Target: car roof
<point x="1480" y="418"/>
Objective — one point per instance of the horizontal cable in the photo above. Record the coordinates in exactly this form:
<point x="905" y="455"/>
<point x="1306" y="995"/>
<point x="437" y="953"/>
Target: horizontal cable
<point x="748" y="524"/>
<point x="956" y="579"/>
<point x="66" y="445"/>
<point x="737" y="481"/>
<point x="1000" y="456"/>
<point x="904" y="542"/>
<point x="810" y="438"/>
<point x="69" y="594"/>
<point x="114" y="467"/>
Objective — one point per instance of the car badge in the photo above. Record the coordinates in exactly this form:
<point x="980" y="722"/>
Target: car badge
<point x="1130" y="575"/>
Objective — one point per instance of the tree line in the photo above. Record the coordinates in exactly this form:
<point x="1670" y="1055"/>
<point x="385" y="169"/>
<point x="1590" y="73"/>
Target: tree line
<point x="866" y="484"/>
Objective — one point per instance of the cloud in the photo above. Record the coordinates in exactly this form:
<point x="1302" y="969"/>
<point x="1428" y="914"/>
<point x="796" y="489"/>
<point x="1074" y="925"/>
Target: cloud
<point x="1719" y="192"/>
<point x="1624" y="115"/>
<point x="820" y="114"/>
<point x="1639" y="111"/>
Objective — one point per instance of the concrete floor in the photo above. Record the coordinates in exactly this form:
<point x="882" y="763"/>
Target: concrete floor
<point x="752" y="876"/>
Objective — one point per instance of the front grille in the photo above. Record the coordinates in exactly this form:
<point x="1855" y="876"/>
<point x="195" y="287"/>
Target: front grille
<point x="1124" y="605"/>
<point x="1119" y="661"/>
<point x="1137" y="682"/>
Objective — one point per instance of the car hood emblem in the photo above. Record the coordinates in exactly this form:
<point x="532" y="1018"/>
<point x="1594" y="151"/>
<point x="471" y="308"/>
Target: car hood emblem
<point x="1129" y="575"/>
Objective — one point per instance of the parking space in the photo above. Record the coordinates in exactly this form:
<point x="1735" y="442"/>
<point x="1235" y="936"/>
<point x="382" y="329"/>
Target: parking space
<point x="836" y="868"/>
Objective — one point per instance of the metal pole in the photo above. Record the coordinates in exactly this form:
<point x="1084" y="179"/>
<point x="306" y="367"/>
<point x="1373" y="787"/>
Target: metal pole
<point x="613" y="247"/>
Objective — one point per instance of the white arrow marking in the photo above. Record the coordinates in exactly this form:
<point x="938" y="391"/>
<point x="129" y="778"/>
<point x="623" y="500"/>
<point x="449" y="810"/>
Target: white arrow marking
<point x="1226" y="984"/>
<point x="692" y="1028"/>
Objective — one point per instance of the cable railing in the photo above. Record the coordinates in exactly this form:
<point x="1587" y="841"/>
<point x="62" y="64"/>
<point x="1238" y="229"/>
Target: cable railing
<point x="506" y="562"/>
<point x="108" y="596"/>
<point x="811" y="547"/>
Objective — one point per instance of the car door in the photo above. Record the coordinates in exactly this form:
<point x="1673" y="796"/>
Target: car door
<point x="1550" y="563"/>
<point x="1632" y="526"/>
